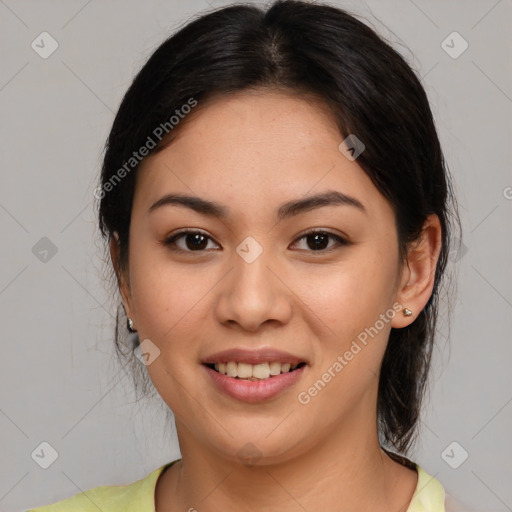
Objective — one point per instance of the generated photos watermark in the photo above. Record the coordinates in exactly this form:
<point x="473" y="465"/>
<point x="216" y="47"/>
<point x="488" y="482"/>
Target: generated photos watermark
<point x="137" y="156"/>
<point x="304" y="397"/>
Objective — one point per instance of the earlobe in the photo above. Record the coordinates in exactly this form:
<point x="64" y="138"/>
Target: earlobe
<point x="418" y="278"/>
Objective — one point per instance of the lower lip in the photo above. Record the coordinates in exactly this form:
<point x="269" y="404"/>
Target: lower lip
<point x="253" y="390"/>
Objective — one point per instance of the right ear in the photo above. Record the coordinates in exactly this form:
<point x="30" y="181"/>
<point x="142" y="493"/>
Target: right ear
<point x="123" y="281"/>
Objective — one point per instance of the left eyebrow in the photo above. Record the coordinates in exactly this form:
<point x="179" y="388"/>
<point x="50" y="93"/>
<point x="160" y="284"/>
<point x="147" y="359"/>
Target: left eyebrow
<point x="329" y="198"/>
<point x="286" y="210"/>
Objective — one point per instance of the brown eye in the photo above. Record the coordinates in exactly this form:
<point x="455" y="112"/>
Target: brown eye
<point x="319" y="240"/>
<point x="193" y="241"/>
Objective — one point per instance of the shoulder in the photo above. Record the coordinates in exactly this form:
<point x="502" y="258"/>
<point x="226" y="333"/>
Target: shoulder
<point x="429" y="495"/>
<point x="138" y="496"/>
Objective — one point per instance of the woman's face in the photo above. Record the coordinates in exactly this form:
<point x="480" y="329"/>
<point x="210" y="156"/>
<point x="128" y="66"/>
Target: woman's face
<point x="252" y="280"/>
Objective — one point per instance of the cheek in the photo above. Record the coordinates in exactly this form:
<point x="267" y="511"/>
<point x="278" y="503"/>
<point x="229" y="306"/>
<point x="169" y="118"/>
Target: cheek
<point x="346" y="304"/>
<point x="168" y="297"/>
<point x="345" y="309"/>
<point x="350" y="296"/>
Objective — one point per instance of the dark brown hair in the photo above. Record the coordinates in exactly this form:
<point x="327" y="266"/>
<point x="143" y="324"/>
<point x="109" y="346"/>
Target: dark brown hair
<point x="304" y="48"/>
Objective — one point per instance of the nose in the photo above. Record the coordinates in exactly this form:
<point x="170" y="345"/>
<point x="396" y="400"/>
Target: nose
<point x="254" y="293"/>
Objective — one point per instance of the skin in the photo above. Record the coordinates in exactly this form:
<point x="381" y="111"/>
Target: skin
<point x="251" y="152"/>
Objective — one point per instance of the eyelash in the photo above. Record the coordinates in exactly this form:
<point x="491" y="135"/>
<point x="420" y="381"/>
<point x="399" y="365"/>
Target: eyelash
<point x="170" y="242"/>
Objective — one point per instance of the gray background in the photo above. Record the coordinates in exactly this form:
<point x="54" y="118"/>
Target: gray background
<point x="59" y="380"/>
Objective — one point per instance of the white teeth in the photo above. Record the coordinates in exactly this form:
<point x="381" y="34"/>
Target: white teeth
<point x="231" y="369"/>
<point x="254" y="371"/>
<point x="275" y="368"/>
<point x="260" y="371"/>
<point x="244" y="370"/>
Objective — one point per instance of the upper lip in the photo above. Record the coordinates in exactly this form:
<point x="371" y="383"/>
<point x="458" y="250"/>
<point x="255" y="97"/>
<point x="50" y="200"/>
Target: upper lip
<point x="253" y="356"/>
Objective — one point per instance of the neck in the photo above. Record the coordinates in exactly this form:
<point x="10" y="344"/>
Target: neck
<point x="347" y="471"/>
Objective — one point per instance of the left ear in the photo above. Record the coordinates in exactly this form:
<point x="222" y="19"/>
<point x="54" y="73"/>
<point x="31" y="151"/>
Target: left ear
<point x="419" y="271"/>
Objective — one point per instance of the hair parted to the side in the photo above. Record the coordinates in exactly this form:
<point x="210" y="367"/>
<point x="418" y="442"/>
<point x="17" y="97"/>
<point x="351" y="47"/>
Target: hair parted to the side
<point x="307" y="49"/>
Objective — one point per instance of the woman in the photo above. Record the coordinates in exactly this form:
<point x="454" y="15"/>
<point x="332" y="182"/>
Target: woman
<point x="277" y="210"/>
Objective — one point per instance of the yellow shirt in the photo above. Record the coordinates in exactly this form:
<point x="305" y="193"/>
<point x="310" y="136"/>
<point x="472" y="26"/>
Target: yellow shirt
<point x="140" y="496"/>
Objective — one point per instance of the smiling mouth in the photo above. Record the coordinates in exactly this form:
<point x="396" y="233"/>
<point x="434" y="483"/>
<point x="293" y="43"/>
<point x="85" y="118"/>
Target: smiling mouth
<point x="261" y="371"/>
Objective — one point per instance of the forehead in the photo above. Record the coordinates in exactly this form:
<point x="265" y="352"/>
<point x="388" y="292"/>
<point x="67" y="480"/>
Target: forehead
<point x="256" y="147"/>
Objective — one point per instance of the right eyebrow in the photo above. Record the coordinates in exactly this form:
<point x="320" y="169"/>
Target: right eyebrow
<point x="194" y="203"/>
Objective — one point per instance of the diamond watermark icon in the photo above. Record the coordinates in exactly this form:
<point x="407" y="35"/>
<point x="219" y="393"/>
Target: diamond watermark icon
<point x="458" y="252"/>
<point x="454" y="455"/>
<point x="44" y="455"/>
<point x="352" y="147"/>
<point x="454" y="45"/>
<point x="146" y="352"/>
<point x="44" y="45"/>
<point x="249" y="249"/>
<point x="44" y="249"/>
<point x="249" y="454"/>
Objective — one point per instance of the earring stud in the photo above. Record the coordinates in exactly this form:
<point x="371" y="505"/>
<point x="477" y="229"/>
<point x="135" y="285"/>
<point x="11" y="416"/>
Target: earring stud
<point x="407" y="312"/>
<point x="130" y="325"/>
